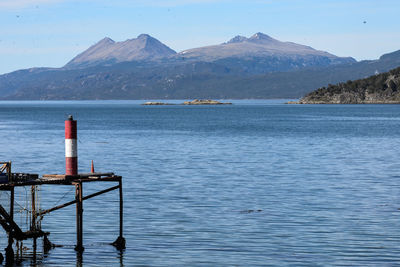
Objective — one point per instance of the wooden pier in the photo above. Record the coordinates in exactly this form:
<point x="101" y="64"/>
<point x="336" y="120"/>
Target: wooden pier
<point x="15" y="232"/>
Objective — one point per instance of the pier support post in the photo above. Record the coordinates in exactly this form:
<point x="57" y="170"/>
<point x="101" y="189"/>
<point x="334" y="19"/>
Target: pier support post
<point x="33" y="219"/>
<point x="33" y="213"/>
<point x="121" y="210"/>
<point x="34" y="245"/>
<point x="79" y="217"/>
<point x="120" y="242"/>
<point x="9" y="249"/>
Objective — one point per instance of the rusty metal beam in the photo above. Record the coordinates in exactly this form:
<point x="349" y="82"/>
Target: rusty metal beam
<point x="74" y="201"/>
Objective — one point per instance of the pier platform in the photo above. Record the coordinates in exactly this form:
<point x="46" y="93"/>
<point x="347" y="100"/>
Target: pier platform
<point x="11" y="180"/>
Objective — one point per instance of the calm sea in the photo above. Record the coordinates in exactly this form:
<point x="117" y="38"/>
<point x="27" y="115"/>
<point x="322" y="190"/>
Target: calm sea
<point x="250" y="184"/>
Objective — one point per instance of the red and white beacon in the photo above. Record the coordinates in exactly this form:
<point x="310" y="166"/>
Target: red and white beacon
<point x="71" y="147"/>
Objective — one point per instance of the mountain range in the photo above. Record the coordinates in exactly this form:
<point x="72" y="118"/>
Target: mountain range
<point x="144" y="68"/>
<point x="146" y="48"/>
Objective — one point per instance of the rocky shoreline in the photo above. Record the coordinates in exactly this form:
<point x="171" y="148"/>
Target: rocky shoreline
<point x="383" y="88"/>
<point x="194" y="102"/>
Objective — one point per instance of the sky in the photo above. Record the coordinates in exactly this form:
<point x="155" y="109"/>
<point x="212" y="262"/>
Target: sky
<point x="49" y="33"/>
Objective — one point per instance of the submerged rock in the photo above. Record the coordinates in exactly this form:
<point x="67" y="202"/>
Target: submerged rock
<point x="250" y="211"/>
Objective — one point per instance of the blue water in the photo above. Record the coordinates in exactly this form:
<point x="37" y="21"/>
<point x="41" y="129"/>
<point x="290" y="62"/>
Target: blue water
<point x="254" y="183"/>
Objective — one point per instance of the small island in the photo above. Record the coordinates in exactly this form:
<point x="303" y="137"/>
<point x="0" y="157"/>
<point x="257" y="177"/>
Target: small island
<point x="156" y="103"/>
<point x="194" y="102"/>
<point x="382" y="88"/>
<point x="205" y="102"/>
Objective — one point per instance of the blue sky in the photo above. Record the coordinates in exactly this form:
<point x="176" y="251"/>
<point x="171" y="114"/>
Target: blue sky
<point x="38" y="33"/>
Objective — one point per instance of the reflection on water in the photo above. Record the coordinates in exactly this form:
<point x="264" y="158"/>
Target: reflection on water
<point x="34" y="254"/>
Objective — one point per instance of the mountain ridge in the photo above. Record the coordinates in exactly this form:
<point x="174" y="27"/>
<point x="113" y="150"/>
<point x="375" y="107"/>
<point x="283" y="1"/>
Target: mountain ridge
<point x="144" y="47"/>
<point x="190" y="80"/>
<point x="260" y="44"/>
<point x="147" y="48"/>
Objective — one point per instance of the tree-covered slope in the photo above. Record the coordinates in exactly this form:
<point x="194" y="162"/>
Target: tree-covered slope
<point x="381" y="88"/>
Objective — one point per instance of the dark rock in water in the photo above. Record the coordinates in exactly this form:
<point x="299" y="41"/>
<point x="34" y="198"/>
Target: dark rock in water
<point x="205" y="102"/>
<point x="250" y="211"/>
<point x="378" y="89"/>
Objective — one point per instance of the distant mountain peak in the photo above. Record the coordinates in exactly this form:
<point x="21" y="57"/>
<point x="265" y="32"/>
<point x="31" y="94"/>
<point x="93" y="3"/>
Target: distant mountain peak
<point x="107" y="39"/>
<point x="237" y="39"/>
<point x="107" y="51"/>
<point x="105" y="42"/>
<point x="257" y="37"/>
<point x="261" y="36"/>
<point x="144" y="36"/>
